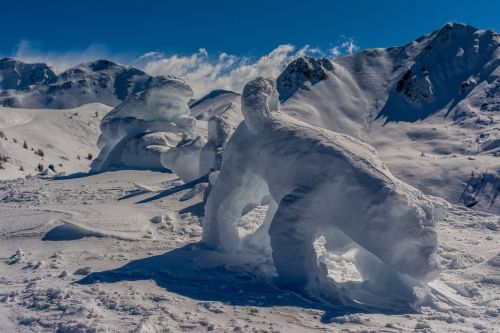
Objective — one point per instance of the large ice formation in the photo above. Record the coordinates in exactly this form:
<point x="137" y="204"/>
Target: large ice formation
<point x="322" y="184"/>
<point x="139" y="130"/>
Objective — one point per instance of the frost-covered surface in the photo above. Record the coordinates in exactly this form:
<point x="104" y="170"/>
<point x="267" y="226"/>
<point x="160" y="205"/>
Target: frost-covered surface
<point x="138" y="131"/>
<point x="429" y="107"/>
<point x="38" y="86"/>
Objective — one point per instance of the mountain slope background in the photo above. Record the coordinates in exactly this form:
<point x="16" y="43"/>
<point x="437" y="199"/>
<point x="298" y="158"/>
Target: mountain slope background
<point x="37" y="86"/>
<point x="430" y="108"/>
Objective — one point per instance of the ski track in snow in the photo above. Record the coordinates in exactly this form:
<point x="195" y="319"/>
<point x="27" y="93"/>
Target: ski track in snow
<point x="122" y="272"/>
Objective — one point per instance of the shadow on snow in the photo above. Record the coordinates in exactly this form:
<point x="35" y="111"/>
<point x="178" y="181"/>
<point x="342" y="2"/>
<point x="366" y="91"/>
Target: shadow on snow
<point x="205" y="275"/>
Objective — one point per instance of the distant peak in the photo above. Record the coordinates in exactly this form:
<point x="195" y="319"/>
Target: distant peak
<point x="212" y="94"/>
<point x="102" y="64"/>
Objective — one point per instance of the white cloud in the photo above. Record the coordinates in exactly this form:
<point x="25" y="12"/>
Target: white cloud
<point x="30" y="52"/>
<point x="205" y="73"/>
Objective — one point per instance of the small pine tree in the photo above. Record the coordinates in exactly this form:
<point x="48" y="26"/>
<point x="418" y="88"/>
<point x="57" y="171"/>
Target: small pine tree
<point x="21" y="168"/>
<point x="39" y="167"/>
<point x="2" y="135"/>
<point x="78" y="157"/>
<point x="3" y="158"/>
<point x="89" y="156"/>
<point x="14" y="140"/>
<point x="25" y="145"/>
<point x="39" y="152"/>
<point x="97" y="114"/>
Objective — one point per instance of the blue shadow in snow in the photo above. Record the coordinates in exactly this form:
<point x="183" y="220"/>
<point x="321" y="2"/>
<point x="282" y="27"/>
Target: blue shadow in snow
<point x="170" y="191"/>
<point x="204" y="275"/>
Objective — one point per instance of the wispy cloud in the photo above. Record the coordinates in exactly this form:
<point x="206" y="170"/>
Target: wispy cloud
<point x="224" y="71"/>
<point x="203" y="71"/>
<point x="32" y="52"/>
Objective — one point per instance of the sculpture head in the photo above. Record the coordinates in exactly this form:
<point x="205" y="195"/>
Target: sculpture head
<point x="258" y="100"/>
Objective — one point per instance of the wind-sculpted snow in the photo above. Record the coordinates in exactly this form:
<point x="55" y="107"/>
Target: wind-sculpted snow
<point x="318" y="183"/>
<point x="136" y="132"/>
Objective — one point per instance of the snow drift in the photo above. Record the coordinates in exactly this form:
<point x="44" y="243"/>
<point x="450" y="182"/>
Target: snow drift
<point x="318" y="183"/>
<point x="138" y="131"/>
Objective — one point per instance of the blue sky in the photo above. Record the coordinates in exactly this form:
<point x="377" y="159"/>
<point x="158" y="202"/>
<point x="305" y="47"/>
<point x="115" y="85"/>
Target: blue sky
<point x="237" y="39"/>
<point x="236" y="27"/>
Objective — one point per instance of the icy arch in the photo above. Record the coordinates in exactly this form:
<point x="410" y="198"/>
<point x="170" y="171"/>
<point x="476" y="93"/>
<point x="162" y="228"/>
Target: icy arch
<point x="319" y="182"/>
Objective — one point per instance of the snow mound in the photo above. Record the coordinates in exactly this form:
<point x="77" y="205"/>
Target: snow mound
<point x="322" y="184"/>
<point x="138" y="131"/>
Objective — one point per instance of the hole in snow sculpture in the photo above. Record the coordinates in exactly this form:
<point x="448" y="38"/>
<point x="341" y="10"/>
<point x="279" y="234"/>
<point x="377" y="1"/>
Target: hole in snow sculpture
<point x="138" y="131"/>
<point x="317" y="183"/>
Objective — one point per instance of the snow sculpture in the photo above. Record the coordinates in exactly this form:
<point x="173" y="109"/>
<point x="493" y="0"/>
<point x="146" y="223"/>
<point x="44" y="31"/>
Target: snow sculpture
<point x="219" y="132"/>
<point x="322" y="184"/>
<point x="184" y="160"/>
<point x="139" y="130"/>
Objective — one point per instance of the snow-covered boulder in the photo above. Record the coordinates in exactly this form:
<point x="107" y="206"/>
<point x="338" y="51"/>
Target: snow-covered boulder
<point x="138" y="131"/>
<point x="321" y="183"/>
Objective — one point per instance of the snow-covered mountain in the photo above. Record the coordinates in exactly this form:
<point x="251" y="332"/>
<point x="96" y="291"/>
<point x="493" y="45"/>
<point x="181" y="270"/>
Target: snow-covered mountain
<point x="430" y="107"/>
<point x="38" y="86"/>
<point x="224" y="103"/>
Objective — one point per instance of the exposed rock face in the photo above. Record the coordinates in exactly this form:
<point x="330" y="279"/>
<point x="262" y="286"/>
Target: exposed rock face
<point x="301" y="73"/>
<point x="15" y="74"/>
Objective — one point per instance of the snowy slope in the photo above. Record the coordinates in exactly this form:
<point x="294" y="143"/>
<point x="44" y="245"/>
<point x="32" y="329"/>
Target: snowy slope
<point x="37" y="86"/>
<point x="429" y="107"/>
<point x="62" y="136"/>
<point x="99" y="253"/>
